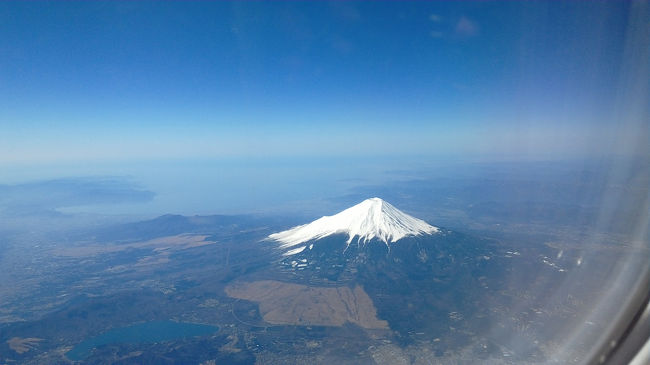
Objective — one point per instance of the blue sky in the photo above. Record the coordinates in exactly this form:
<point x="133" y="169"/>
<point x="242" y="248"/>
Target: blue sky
<point x="97" y="82"/>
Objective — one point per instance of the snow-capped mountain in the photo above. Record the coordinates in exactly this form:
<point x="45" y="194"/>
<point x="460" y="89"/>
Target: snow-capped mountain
<point x="397" y="259"/>
<point x="370" y="219"/>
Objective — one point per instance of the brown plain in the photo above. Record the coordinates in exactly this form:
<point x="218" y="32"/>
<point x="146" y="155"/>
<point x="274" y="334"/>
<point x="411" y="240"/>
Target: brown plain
<point x="294" y="304"/>
<point x="22" y="345"/>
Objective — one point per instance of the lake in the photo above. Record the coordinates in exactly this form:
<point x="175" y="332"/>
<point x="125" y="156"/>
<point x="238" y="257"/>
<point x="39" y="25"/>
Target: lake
<point x="147" y="332"/>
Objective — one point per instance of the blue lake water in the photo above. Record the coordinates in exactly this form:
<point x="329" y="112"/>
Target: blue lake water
<point x="148" y="332"/>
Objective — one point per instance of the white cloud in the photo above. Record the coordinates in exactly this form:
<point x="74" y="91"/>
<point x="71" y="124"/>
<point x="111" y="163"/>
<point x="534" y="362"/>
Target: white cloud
<point x="466" y="27"/>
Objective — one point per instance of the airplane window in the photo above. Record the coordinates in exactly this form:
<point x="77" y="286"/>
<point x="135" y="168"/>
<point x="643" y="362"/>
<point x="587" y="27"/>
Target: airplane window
<point x="324" y="182"/>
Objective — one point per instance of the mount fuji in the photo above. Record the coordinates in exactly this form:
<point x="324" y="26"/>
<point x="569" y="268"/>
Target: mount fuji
<point x="371" y="219"/>
<point x="397" y="259"/>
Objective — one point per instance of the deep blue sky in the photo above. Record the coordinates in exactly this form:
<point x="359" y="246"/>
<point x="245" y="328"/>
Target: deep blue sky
<point x="93" y="81"/>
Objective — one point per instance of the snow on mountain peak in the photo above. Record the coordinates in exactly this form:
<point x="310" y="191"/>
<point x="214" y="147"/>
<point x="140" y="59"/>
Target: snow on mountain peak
<point x="372" y="218"/>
